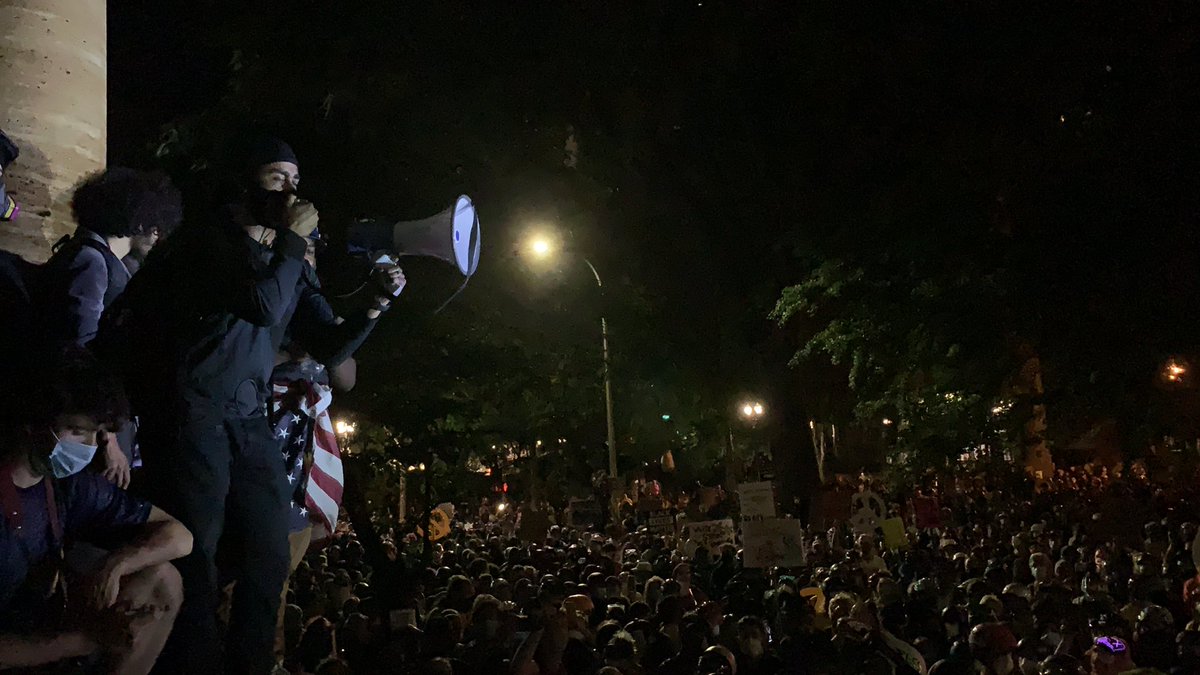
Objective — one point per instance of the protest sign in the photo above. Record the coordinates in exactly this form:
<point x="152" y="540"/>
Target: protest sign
<point x="711" y="534"/>
<point x="893" y="533"/>
<point x="927" y="512"/>
<point x="439" y="525"/>
<point x="773" y="542"/>
<point x="757" y="500"/>
<point x="831" y="506"/>
<point x="534" y="524"/>
<point x="661" y="523"/>
<point x="585" y="513"/>
<point x="867" y="509"/>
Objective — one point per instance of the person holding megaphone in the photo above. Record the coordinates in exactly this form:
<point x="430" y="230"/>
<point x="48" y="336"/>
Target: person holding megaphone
<point x="199" y="328"/>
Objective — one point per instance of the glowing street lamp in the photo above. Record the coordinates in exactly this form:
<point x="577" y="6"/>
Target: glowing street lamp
<point x="753" y="410"/>
<point x="543" y="246"/>
<point x="344" y="428"/>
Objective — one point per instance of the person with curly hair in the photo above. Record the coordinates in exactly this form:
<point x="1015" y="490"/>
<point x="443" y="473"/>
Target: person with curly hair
<point x="86" y="273"/>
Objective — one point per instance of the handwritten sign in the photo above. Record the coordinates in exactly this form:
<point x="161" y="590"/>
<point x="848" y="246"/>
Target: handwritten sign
<point x="773" y="542"/>
<point x="757" y="500"/>
<point x="711" y="534"/>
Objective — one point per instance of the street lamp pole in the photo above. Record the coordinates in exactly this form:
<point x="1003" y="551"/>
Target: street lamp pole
<point x="543" y="247"/>
<point x="608" y="401"/>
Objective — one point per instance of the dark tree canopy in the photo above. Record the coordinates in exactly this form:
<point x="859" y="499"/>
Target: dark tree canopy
<point x="936" y="190"/>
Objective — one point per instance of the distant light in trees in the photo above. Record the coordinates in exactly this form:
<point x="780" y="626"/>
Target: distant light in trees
<point x="887" y="422"/>
<point x="1174" y="371"/>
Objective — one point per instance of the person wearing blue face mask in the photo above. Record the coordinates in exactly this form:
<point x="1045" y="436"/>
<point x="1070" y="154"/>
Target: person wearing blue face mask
<point x="117" y="616"/>
<point x="70" y="456"/>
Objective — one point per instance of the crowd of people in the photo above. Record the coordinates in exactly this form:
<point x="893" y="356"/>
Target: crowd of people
<point x="154" y="515"/>
<point x="1009" y="584"/>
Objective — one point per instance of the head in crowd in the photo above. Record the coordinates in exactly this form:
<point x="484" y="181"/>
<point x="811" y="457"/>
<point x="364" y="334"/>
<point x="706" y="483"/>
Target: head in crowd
<point x="1014" y="584"/>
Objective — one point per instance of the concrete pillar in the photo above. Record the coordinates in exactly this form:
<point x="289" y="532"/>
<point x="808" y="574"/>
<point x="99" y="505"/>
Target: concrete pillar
<point x="53" y="104"/>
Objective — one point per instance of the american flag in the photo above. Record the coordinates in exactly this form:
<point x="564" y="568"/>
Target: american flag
<point x="301" y="410"/>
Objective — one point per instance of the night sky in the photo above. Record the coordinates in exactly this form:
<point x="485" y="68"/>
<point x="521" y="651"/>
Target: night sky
<point x="728" y="149"/>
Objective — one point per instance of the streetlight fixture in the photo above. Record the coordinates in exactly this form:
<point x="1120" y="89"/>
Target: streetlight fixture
<point x="542" y="246"/>
<point x="753" y="410"/>
<point x="344" y="428"/>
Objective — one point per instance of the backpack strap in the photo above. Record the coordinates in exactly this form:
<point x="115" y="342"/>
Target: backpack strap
<point x="69" y="243"/>
<point x="11" y="503"/>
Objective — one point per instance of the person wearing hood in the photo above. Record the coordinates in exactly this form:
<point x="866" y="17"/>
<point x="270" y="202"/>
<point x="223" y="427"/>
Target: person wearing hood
<point x="203" y="317"/>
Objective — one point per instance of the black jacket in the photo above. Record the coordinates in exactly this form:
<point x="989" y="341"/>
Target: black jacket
<point x="312" y="323"/>
<point x="198" y="325"/>
<point x="80" y="281"/>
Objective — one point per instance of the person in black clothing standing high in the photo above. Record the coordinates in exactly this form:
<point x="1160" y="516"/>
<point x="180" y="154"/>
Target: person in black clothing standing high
<point x="200" y="323"/>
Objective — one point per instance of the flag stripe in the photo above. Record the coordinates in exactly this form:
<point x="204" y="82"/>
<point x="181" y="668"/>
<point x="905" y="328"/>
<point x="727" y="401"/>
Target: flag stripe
<point x="323" y="490"/>
<point x="325" y="479"/>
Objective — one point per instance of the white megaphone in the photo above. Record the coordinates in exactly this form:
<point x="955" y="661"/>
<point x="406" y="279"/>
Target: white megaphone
<point x="452" y="236"/>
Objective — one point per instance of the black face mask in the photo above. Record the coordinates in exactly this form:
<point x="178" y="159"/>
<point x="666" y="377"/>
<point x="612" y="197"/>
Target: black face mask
<point x="8" y="207"/>
<point x="268" y="207"/>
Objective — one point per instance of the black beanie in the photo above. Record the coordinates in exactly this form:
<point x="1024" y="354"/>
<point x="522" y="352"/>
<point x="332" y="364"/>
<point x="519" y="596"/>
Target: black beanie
<point x="8" y="151"/>
<point x="269" y="151"/>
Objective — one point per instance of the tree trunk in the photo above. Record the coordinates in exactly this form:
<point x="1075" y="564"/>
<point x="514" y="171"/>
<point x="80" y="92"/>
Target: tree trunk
<point x="1038" y="462"/>
<point x="54" y="105"/>
<point x="824" y="439"/>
